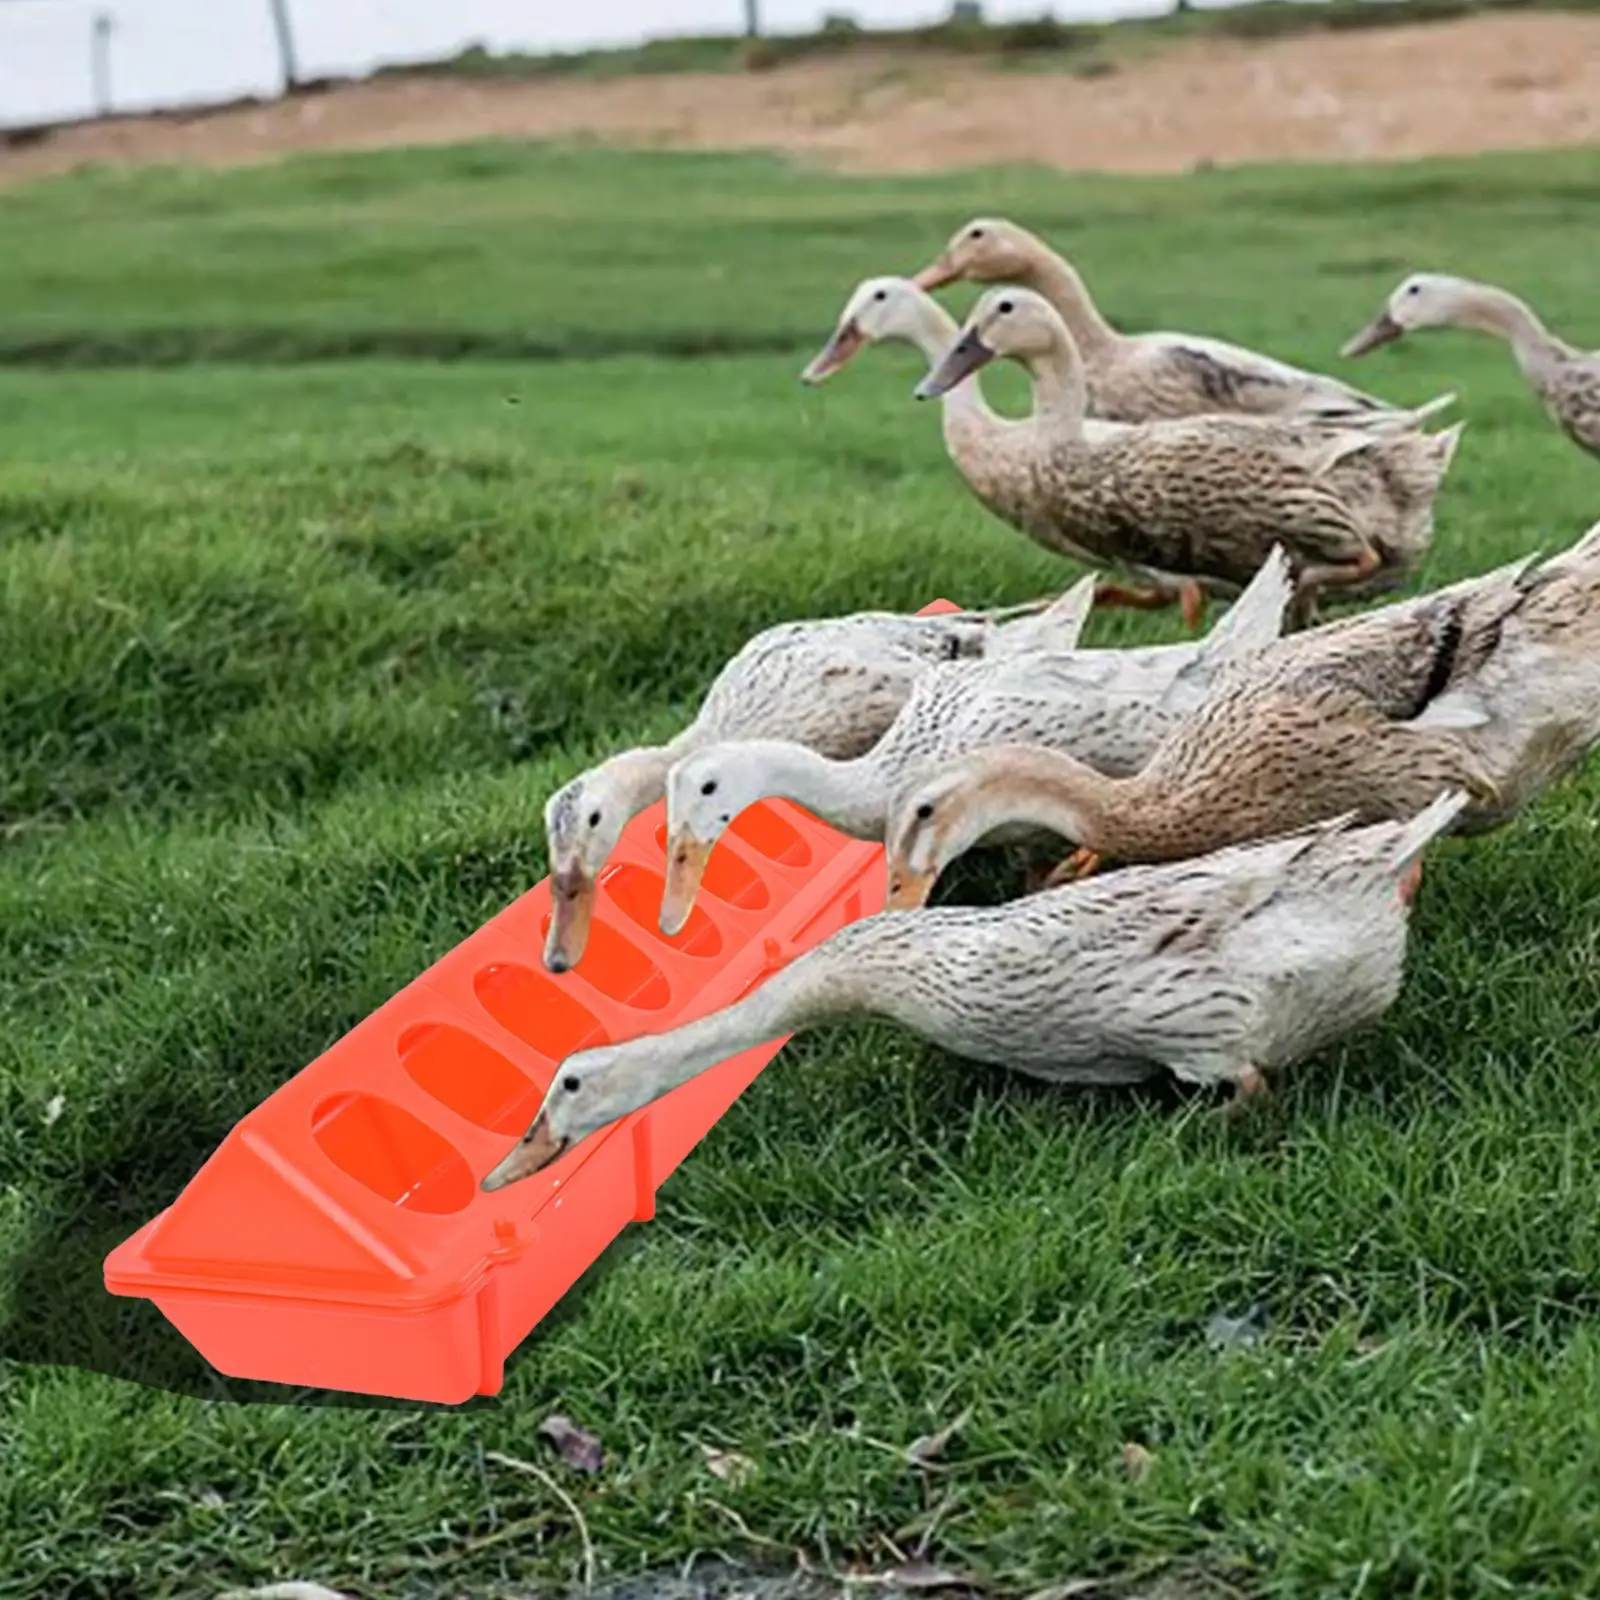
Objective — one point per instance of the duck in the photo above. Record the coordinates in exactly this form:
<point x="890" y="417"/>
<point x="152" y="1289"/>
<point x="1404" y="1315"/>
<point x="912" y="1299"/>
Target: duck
<point x="1198" y="502"/>
<point x="1220" y="971"/>
<point x="1565" y="378"/>
<point x="1144" y="377"/>
<point x="889" y="309"/>
<point x="1490" y="687"/>
<point x="831" y="684"/>
<point x="1112" y="707"/>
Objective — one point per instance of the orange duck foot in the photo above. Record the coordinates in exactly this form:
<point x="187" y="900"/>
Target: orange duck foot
<point x="1082" y="863"/>
<point x="1117" y="594"/>
<point x="1410" y="882"/>
<point x="1249" y="1089"/>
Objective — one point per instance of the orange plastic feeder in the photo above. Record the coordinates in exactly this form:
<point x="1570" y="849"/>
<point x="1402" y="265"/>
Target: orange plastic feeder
<point x="338" y="1238"/>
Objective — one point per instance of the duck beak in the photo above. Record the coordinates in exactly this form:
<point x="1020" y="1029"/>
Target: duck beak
<point x="686" y="866"/>
<point x="1383" y="329"/>
<point x="965" y="357"/>
<point x="936" y="275"/>
<point x="572" y="895"/>
<point x="908" y="890"/>
<point x="537" y="1148"/>
<point x="847" y="342"/>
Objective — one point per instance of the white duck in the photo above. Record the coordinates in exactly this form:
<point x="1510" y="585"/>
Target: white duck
<point x="1566" y="379"/>
<point x="832" y="685"/>
<point x="1109" y="707"/>
<point x="1217" y="970"/>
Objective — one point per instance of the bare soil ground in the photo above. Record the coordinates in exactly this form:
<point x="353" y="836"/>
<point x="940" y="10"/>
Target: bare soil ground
<point x="1491" y="82"/>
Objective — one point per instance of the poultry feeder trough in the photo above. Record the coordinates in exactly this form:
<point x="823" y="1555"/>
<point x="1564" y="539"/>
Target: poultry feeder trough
<point x="338" y="1237"/>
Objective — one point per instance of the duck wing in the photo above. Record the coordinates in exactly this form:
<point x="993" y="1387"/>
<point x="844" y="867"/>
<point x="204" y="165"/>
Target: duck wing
<point x="1236" y="379"/>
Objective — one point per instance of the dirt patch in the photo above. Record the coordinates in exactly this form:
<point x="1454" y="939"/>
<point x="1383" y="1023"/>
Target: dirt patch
<point x="715" y="1581"/>
<point x="1483" y="83"/>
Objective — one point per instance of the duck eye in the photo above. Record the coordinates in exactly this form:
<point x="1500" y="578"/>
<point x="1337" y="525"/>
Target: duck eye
<point x="977" y="233"/>
<point x="925" y="811"/>
<point x="1414" y="288"/>
<point x="1006" y="308"/>
<point x="709" y="786"/>
<point x="594" y="819"/>
<point x="882" y="294"/>
<point x="572" y="1083"/>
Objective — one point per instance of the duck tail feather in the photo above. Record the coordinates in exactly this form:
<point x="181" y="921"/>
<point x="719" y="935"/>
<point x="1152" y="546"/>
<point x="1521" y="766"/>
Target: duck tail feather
<point x="1255" y="619"/>
<point x="1055" y="624"/>
<point x="1434" y="819"/>
<point x="1459" y="709"/>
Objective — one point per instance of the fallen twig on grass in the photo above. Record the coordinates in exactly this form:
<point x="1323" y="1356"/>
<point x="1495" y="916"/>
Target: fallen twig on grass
<point x="917" y="1575"/>
<point x="286" y="1591"/>
<point x="927" y="1451"/>
<point x="743" y="1527"/>
<point x="561" y="1494"/>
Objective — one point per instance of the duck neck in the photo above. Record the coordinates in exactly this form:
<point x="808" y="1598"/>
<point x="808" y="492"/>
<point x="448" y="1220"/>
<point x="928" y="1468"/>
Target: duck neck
<point x="1059" y="394"/>
<point x="851" y="795"/>
<point x="1050" y="790"/>
<point x="1167" y="811"/>
<point x="933" y="330"/>
<point x="1071" y="798"/>
<point x="837" y="978"/>
<point x="1490" y="310"/>
<point x="1058" y="281"/>
<point x="640" y="775"/>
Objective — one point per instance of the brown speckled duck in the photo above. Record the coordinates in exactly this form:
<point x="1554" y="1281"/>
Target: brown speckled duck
<point x="1490" y="687"/>
<point x="1144" y="377"/>
<point x="892" y="310"/>
<point x="1197" y="503"/>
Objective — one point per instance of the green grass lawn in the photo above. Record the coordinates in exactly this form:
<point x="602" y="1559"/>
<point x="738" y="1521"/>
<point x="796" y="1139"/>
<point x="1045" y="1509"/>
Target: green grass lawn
<point x="294" y="649"/>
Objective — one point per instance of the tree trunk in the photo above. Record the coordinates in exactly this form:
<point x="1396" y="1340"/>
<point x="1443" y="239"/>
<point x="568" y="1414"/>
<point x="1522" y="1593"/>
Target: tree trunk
<point x="752" y="19"/>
